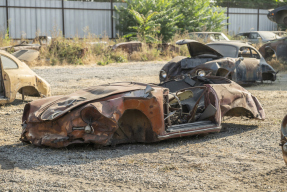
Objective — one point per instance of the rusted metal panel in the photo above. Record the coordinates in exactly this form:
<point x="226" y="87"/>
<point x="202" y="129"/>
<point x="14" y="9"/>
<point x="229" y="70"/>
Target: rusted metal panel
<point x="128" y="47"/>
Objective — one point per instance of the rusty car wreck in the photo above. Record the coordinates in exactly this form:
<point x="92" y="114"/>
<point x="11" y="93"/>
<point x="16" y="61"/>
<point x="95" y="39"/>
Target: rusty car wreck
<point x="131" y="112"/>
<point x="16" y="76"/>
<point x="277" y="48"/>
<point x="237" y="61"/>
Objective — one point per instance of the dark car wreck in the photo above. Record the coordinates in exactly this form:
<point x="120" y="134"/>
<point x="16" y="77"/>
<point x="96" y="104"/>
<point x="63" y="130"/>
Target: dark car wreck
<point x="277" y="48"/>
<point x="239" y="62"/>
<point x="278" y="15"/>
<point x="133" y="112"/>
<point x="283" y="142"/>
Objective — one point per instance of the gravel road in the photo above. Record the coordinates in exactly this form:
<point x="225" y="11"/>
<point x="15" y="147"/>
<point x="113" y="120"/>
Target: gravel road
<point x="244" y="156"/>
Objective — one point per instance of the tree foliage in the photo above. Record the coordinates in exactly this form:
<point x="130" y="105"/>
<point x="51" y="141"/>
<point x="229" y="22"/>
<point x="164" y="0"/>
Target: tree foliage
<point x="146" y="27"/>
<point x="198" y="15"/>
<point x="173" y="15"/>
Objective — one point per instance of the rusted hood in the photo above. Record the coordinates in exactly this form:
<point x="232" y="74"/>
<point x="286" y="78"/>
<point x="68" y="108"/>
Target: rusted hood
<point x="54" y="107"/>
<point x="195" y="48"/>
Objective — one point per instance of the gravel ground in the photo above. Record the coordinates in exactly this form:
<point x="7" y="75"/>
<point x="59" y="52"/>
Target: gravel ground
<point x="244" y="156"/>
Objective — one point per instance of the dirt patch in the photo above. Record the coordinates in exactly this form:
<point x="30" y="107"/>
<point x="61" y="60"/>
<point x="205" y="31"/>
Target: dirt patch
<point x="244" y="156"/>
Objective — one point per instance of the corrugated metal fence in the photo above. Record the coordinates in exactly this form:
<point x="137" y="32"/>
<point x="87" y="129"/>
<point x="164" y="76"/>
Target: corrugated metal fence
<point x="44" y="17"/>
<point x="243" y="20"/>
<point x="26" y="18"/>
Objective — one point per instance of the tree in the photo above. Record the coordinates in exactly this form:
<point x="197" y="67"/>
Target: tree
<point x="167" y="18"/>
<point x="174" y="15"/>
<point x="146" y="27"/>
<point x="198" y="15"/>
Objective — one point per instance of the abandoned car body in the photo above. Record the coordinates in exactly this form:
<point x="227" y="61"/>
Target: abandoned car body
<point x="258" y="36"/>
<point x="209" y="36"/>
<point x="283" y="142"/>
<point x="16" y="76"/>
<point x="277" y="47"/>
<point x="239" y="62"/>
<point x="278" y="15"/>
<point x="133" y="112"/>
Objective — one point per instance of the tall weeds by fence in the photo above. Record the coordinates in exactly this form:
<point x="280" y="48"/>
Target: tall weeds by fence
<point x="95" y="50"/>
<point x="92" y="49"/>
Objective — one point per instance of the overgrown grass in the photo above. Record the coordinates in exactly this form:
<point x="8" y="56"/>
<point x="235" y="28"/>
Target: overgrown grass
<point x="4" y="39"/>
<point x="97" y="50"/>
<point x="278" y="64"/>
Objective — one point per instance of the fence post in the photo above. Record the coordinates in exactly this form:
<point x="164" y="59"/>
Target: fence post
<point x="7" y="18"/>
<point x="258" y="12"/>
<point x="227" y="18"/>
<point x="63" y="18"/>
<point x="112" y="19"/>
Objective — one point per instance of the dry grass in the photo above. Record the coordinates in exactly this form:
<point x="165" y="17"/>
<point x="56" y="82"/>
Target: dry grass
<point x="94" y="49"/>
<point x="278" y="64"/>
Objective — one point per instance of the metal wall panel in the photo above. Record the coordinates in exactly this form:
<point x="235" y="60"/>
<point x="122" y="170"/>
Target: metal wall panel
<point x="87" y="5"/>
<point x="242" y="20"/>
<point x="3" y="23"/>
<point x="26" y="22"/>
<point x="2" y="2"/>
<point x="241" y="23"/>
<point x="265" y="24"/>
<point x="80" y="23"/>
<point x="35" y="3"/>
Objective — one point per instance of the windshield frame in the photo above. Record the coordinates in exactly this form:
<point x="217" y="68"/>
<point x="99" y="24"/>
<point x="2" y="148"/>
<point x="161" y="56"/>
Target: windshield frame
<point x="218" y="44"/>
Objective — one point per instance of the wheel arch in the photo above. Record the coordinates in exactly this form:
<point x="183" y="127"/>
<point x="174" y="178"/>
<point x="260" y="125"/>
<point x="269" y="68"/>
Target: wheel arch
<point x="29" y="91"/>
<point x="134" y="126"/>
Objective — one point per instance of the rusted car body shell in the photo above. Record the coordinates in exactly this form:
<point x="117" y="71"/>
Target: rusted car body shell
<point x="123" y="113"/>
<point x="283" y="141"/>
<point x="245" y="71"/>
<point x="128" y="47"/>
<point x="22" y="80"/>
<point x="277" y="47"/>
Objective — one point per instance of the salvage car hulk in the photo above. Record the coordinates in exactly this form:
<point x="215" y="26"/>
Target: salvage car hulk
<point x="134" y="112"/>
<point x="239" y="62"/>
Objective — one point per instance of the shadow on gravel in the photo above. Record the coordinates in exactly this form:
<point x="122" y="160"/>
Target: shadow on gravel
<point x="6" y="164"/>
<point x="17" y="102"/>
<point x="278" y="85"/>
<point x="26" y="156"/>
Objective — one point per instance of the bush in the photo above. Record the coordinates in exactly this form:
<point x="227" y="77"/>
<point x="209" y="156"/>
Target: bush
<point x="64" y="49"/>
